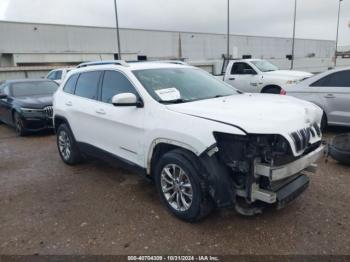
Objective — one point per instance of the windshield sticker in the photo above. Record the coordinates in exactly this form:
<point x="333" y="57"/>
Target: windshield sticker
<point x="168" y="94"/>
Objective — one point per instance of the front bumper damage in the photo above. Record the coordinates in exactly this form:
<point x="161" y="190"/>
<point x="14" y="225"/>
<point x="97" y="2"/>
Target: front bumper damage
<point x="254" y="171"/>
<point x="290" y="179"/>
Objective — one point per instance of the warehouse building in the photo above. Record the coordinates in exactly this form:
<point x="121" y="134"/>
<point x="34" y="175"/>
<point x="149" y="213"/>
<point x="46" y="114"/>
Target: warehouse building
<point x="32" y="49"/>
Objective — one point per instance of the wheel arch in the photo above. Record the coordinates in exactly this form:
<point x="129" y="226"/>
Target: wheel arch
<point x="263" y="90"/>
<point x="161" y="146"/>
<point x="58" y="120"/>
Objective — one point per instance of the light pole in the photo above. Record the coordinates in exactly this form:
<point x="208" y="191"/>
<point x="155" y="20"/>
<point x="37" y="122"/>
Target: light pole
<point x="117" y="28"/>
<point x="293" y="41"/>
<point x="336" y="40"/>
<point x="228" y="30"/>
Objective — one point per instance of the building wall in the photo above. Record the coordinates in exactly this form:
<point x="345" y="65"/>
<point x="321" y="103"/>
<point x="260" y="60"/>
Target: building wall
<point x="45" y="44"/>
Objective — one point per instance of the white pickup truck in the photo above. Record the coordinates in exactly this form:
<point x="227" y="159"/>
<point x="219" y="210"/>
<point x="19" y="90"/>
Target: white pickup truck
<point x="260" y="76"/>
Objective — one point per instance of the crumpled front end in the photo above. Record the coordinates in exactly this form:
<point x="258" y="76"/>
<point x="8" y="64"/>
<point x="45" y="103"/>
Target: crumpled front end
<point x="264" y="169"/>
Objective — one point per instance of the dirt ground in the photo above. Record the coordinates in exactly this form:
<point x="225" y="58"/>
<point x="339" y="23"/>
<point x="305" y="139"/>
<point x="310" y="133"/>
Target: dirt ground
<point x="47" y="207"/>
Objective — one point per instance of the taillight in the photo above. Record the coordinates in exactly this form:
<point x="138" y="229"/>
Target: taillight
<point x="283" y="92"/>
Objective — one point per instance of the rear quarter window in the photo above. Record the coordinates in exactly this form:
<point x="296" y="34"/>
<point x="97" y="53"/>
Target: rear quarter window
<point x="69" y="87"/>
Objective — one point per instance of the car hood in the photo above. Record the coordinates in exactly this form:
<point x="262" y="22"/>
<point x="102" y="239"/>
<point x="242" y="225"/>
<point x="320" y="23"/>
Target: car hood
<point x="36" y="102"/>
<point x="256" y="113"/>
<point x="290" y="74"/>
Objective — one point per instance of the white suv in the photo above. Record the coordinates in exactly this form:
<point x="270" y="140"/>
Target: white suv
<point x="204" y="143"/>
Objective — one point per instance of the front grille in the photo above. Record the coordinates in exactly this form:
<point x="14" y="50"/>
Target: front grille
<point x="301" y="138"/>
<point x="48" y="111"/>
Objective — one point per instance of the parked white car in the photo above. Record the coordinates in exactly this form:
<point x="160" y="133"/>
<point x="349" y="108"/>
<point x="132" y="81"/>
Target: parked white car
<point x="58" y="75"/>
<point x="260" y="76"/>
<point x="203" y="142"/>
<point x="329" y="90"/>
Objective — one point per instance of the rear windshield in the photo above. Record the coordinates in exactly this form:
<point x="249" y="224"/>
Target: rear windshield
<point x="33" y="88"/>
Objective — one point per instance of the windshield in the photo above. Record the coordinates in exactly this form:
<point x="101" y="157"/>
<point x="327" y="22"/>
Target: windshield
<point x="176" y="85"/>
<point x="34" y="88"/>
<point x="264" y="66"/>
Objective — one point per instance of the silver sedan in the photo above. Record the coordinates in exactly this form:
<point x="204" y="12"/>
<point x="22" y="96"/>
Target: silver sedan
<point x="329" y="90"/>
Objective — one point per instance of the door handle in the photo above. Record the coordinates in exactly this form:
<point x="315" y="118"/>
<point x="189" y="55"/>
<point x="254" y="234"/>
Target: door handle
<point x="232" y="78"/>
<point x="100" y="112"/>
<point x="69" y="103"/>
<point x="329" y="96"/>
<point x="254" y="84"/>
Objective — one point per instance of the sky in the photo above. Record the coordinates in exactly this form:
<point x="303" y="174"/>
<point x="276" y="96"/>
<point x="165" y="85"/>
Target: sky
<point x="316" y="19"/>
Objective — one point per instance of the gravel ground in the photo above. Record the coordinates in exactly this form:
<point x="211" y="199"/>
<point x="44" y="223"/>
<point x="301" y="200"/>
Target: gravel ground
<point x="47" y="207"/>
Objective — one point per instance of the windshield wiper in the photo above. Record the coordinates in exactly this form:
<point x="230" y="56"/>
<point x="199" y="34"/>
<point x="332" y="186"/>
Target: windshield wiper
<point x="175" y="101"/>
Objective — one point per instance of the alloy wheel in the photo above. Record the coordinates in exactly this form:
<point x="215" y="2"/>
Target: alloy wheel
<point x="64" y="144"/>
<point x="18" y="124"/>
<point x="176" y="187"/>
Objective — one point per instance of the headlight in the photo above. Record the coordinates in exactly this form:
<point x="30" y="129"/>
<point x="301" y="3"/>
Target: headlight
<point x="30" y="110"/>
<point x="290" y="82"/>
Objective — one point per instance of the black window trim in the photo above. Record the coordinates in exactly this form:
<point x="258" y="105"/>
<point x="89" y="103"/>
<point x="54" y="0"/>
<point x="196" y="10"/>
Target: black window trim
<point x="139" y="97"/>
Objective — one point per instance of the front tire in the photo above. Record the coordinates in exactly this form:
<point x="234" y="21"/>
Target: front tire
<point x="18" y="124"/>
<point x="67" y="146"/>
<point x="272" y="90"/>
<point x="324" y="122"/>
<point x="177" y="178"/>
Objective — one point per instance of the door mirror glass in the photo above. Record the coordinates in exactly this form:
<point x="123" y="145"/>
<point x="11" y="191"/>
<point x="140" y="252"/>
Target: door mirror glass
<point x="126" y="99"/>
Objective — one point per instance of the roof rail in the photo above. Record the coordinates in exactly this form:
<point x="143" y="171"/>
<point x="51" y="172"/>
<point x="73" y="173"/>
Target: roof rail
<point x="105" y="62"/>
<point x="175" y="62"/>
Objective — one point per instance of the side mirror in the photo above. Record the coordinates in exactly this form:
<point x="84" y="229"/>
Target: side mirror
<point x="126" y="99"/>
<point x="249" y="72"/>
<point x="2" y="96"/>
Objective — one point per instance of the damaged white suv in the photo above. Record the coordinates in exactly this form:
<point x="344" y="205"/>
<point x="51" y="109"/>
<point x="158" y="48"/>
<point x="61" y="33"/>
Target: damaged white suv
<point x="204" y="143"/>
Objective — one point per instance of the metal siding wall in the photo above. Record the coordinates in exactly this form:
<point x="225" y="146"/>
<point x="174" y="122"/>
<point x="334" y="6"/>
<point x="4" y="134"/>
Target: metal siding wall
<point x="151" y="43"/>
<point x="24" y="38"/>
<point x="73" y="42"/>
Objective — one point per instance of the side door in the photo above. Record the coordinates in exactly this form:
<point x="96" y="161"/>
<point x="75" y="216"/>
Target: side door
<point x="334" y="92"/>
<point x="80" y="107"/>
<point x="6" y="105"/>
<point x="243" y="77"/>
<point x="119" y="129"/>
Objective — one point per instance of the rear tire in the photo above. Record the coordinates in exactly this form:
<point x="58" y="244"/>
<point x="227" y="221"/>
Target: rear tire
<point x="67" y="146"/>
<point x="180" y="187"/>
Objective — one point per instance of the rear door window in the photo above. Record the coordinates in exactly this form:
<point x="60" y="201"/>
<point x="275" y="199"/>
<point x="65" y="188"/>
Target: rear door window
<point x="87" y="84"/>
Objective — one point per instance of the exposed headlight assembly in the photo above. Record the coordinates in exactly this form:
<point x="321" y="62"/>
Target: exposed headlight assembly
<point x="30" y="110"/>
